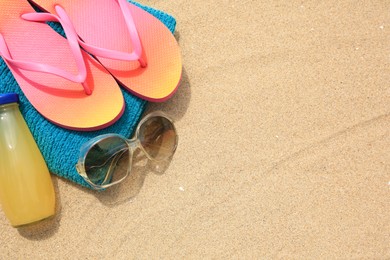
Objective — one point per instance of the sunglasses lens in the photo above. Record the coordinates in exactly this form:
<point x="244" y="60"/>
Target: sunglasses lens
<point x="158" y="137"/>
<point x="107" y="161"/>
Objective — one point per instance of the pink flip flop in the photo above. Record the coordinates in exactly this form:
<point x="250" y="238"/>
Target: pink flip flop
<point x="61" y="81"/>
<point x="134" y="46"/>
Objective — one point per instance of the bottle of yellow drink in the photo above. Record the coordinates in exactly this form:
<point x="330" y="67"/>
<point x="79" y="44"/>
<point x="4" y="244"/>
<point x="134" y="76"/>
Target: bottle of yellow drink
<point x="26" y="190"/>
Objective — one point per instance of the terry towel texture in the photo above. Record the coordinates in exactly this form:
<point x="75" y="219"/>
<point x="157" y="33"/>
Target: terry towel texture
<point x="60" y="147"/>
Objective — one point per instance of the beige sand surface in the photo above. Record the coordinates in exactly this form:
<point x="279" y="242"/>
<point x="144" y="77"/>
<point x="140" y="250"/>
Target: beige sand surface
<point x="284" y="123"/>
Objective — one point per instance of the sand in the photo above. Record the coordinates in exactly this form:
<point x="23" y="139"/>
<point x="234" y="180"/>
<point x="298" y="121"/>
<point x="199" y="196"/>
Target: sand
<point x="284" y="118"/>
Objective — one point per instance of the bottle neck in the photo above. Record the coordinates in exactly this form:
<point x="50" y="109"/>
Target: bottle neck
<point x="8" y="106"/>
<point x="9" y="109"/>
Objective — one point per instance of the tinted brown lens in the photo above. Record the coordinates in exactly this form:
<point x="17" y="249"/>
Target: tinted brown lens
<point x="107" y="161"/>
<point x="158" y="137"/>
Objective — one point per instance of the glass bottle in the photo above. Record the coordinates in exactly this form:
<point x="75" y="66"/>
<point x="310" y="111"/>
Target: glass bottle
<point x="26" y="189"/>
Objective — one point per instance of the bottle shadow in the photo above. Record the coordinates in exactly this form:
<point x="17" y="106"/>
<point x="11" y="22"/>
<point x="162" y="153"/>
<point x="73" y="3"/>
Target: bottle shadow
<point x="46" y="228"/>
<point x="131" y="186"/>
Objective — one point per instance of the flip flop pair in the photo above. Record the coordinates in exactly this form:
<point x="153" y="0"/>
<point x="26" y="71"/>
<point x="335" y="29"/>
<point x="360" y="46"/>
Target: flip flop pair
<point x="63" y="82"/>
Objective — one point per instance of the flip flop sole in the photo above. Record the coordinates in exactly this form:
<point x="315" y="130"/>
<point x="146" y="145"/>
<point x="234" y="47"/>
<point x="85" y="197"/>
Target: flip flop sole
<point x="101" y="23"/>
<point x="59" y="100"/>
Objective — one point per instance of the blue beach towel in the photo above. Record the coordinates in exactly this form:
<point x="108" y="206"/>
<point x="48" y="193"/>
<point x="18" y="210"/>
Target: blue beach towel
<point x="60" y="147"/>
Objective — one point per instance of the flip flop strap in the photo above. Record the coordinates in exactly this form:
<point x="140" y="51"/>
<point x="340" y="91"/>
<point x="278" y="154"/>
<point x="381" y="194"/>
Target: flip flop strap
<point x="45" y="68"/>
<point x="135" y="55"/>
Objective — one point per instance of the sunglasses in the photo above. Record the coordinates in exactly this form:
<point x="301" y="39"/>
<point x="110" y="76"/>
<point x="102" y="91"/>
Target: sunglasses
<point x="106" y="160"/>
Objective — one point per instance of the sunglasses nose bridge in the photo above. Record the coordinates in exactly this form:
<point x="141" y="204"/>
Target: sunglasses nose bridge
<point x="133" y="144"/>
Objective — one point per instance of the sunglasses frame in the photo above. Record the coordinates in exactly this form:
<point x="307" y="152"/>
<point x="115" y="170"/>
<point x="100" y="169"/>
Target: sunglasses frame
<point x="133" y="144"/>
